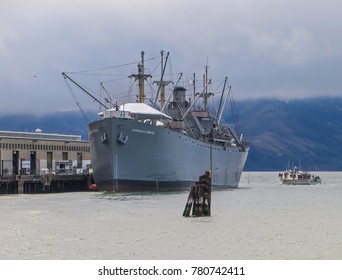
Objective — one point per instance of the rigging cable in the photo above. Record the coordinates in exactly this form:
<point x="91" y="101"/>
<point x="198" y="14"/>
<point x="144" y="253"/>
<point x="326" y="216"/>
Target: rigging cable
<point x="110" y="67"/>
<point x="76" y="101"/>
<point x="235" y="117"/>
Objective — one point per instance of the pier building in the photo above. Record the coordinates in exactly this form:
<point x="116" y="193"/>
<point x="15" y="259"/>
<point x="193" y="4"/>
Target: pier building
<point x="38" y="153"/>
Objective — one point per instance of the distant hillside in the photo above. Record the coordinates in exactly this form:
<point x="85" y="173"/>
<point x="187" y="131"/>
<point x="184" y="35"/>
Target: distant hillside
<point x="306" y="132"/>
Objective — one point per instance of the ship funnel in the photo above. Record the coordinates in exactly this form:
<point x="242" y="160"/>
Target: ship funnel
<point x="179" y="94"/>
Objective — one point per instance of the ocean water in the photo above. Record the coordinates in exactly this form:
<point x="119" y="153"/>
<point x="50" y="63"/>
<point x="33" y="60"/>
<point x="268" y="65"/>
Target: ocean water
<point x="260" y="220"/>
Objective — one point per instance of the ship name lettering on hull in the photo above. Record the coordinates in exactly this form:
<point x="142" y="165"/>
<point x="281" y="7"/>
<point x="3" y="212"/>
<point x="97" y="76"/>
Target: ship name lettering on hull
<point x="143" y="131"/>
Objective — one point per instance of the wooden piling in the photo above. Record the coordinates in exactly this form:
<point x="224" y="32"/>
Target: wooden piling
<point x="199" y="199"/>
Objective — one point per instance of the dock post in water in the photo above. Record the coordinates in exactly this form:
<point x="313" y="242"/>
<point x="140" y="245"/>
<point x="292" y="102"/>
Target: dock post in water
<point x="199" y="200"/>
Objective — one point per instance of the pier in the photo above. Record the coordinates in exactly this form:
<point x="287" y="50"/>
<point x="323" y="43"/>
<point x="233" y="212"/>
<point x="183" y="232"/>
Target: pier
<point x="39" y="162"/>
<point x="34" y="184"/>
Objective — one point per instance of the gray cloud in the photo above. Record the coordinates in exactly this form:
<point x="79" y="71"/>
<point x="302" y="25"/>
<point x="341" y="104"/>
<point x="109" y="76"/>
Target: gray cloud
<point x="284" y="49"/>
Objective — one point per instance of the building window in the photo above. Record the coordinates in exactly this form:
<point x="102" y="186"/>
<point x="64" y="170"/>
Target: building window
<point x="64" y="155"/>
<point x="49" y="160"/>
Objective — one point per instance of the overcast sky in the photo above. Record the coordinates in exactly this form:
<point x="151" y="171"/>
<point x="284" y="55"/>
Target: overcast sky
<point x="268" y="48"/>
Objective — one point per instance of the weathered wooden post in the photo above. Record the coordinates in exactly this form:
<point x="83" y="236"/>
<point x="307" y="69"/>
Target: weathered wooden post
<point x="199" y="199"/>
<point x="190" y="201"/>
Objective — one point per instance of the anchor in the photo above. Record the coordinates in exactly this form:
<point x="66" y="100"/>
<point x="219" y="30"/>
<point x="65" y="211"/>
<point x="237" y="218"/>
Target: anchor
<point x="121" y="139"/>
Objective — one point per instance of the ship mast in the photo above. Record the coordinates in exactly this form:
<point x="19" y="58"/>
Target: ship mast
<point x="141" y="77"/>
<point x="194" y="87"/>
<point x="222" y="105"/>
<point x="206" y="94"/>
<point x="162" y="84"/>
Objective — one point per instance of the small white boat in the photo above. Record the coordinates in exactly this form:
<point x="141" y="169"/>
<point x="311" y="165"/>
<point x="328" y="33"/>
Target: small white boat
<point x="297" y="177"/>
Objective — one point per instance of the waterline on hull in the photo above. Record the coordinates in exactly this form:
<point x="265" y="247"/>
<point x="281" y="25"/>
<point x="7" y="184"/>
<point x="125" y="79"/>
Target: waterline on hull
<point x="150" y="186"/>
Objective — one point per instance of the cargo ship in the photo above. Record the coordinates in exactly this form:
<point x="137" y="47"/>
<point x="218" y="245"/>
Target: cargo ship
<point x="165" y="146"/>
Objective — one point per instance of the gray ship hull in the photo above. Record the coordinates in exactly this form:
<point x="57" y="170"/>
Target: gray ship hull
<point x="128" y="155"/>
